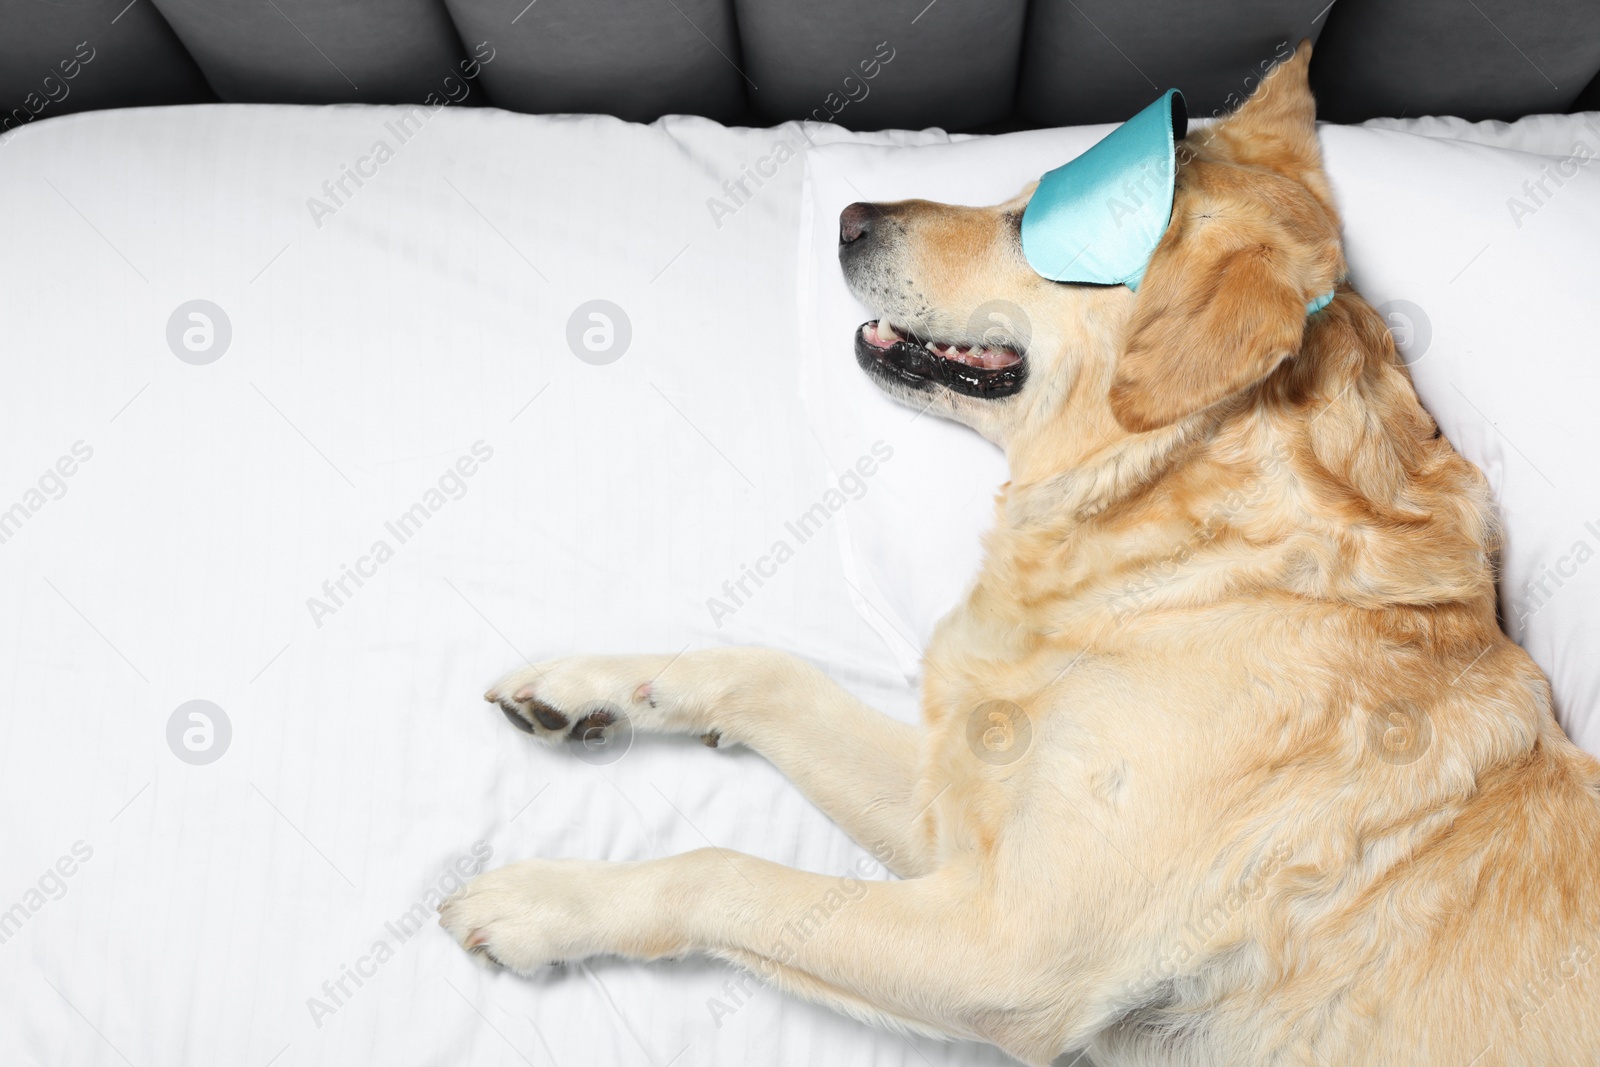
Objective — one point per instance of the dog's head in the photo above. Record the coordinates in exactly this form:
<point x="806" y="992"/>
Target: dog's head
<point x="966" y="327"/>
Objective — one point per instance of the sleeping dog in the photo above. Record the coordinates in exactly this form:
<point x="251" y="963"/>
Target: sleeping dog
<point x="1224" y="758"/>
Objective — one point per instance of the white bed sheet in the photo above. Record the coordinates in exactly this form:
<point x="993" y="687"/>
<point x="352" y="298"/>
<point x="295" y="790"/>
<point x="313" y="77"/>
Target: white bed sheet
<point x="427" y="313"/>
<point x="212" y="910"/>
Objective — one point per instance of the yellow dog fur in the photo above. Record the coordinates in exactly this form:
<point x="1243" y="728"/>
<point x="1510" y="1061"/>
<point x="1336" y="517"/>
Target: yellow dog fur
<point x="1257" y="780"/>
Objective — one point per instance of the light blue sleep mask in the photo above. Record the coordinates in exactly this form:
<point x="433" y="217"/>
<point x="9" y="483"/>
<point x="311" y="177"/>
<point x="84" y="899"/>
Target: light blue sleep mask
<point x="1098" y="219"/>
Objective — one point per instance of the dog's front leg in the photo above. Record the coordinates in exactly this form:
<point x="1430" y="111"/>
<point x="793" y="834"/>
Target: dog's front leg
<point x="856" y="764"/>
<point x="935" y="953"/>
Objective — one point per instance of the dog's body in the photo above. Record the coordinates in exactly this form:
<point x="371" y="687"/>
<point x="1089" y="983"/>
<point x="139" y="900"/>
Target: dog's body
<point x="1225" y="759"/>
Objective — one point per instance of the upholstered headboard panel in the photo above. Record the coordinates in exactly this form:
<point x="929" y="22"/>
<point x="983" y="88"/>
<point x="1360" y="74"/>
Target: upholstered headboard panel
<point x="867" y="64"/>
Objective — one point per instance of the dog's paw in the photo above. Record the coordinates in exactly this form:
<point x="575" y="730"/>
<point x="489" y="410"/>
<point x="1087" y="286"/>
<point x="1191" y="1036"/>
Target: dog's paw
<point x="591" y="699"/>
<point x="534" y="709"/>
<point x="527" y="915"/>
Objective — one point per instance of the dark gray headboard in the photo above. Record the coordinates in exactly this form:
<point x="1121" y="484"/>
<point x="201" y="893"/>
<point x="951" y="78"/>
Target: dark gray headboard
<point x="867" y="64"/>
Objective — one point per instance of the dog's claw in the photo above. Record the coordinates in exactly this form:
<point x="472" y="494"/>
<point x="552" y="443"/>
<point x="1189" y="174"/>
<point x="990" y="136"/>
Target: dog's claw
<point x="711" y="739"/>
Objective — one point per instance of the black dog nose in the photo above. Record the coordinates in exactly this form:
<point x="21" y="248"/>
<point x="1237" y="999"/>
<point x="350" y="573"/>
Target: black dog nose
<point x="855" y="222"/>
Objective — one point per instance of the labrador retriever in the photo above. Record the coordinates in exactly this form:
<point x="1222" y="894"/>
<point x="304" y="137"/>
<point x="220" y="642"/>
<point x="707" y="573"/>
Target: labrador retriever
<point x="1224" y="758"/>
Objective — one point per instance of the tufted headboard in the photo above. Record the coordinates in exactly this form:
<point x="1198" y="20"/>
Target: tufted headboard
<point x="866" y="64"/>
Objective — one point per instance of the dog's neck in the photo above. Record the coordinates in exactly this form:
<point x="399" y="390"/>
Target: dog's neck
<point x="1330" y="469"/>
<point x="1072" y="462"/>
<point x="1101" y="478"/>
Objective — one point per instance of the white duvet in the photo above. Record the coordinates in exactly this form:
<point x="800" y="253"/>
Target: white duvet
<point x="314" y="421"/>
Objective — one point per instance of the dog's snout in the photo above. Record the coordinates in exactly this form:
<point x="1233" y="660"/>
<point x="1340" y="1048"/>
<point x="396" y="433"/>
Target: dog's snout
<point x="855" y="222"/>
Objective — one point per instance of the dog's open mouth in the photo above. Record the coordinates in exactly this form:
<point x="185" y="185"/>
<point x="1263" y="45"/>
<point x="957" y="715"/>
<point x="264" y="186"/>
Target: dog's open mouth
<point x="974" y="370"/>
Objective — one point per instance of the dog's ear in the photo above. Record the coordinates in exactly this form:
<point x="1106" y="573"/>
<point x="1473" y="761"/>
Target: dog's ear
<point x="1210" y="322"/>
<point x="1276" y="127"/>
<point x="1253" y="239"/>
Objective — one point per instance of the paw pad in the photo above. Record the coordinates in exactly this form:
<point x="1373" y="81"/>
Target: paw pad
<point x="591" y="726"/>
<point x="543" y="713"/>
<point x="602" y="736"/>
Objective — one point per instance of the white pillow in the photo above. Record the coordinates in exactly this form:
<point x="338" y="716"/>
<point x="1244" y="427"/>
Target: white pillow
<point x="1488" y="283"/>
<point x="1545" y="135"/>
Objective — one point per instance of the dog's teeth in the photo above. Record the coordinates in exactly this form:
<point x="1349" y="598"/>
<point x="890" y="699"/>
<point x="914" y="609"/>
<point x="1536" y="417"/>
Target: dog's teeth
<point x="887" y="332"/>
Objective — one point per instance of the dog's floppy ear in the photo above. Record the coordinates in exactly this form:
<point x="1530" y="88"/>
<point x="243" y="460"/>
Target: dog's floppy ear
<point x="1253" y="240"/>
<point x="1210" y="322"/>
